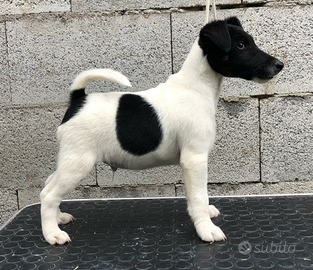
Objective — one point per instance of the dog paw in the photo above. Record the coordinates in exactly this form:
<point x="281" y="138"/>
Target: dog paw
<point x="213" y="211"/>
<point x="210" y="233"/>
<point x="64" y="218"/>
<point x="60" y="238"/>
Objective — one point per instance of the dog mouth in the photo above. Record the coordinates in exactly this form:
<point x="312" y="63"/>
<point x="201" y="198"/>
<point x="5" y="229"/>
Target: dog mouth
<point x="262" y="77"/>
<point x="265" y="73"/>
<point x="261" y="81"/>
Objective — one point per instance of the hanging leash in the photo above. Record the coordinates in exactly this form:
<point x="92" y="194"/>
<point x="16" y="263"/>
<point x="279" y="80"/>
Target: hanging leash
<point x="207" y="10"/>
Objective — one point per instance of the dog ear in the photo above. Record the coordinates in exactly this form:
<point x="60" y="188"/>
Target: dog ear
<point x="234" y="21"/>
<point x="215" y="33"/>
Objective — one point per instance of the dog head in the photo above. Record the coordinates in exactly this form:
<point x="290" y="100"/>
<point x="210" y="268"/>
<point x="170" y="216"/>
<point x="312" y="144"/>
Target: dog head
<point x="232" y="52"/>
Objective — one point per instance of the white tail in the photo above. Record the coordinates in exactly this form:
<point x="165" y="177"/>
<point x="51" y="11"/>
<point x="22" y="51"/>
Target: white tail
<point x="82" y="79"/>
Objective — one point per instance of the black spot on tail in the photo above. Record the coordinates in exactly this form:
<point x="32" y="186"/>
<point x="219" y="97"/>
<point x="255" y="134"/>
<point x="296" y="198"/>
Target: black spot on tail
<point x="137" y="125"/>
<point x="77" y="101"/>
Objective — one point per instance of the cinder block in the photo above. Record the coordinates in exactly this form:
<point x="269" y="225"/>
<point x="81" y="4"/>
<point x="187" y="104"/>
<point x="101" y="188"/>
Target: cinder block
<point x="28" y="196"/>
<point x="268" y="27"/>
<point x="278" y="2"/>
<point x="124" y="192"/>
<point x="261" y="188"/>
<point x="31" y="195"/>
<point x="28" y="145"/>
<point x="156" y="176"/>
<point x="111" y="5"/>
<point x="297" y="187"/>
<point x="46" y="52"/>
<point x="33" y="6"/>
<point x="5" y="97"/>
<point x="287" y="136"/>
<point x="8" y="204"/>
<point x="227" y="2"/>
<point x="257" y="1"/>
<point x="235" y="156"/>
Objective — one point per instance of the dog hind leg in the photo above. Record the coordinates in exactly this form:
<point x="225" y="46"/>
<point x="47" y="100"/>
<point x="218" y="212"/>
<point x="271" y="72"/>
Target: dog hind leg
<point x="71" y="169"/>
<point x="213" y="211"/>
<point x="195" y="176"/>
<point x="49" y="179"/>
<point x="62" y="218"/>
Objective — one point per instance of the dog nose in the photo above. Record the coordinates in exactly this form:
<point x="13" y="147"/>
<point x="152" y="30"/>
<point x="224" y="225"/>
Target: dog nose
<point x="279" y="65"/>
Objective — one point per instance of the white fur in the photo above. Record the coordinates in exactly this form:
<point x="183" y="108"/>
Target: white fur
<point x="89" y="137"/>
<point x="87" y="76"/>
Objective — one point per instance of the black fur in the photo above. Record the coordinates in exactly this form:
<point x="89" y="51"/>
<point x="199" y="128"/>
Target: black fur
<point x="232" y="52"/>
<point x="137" y="125"/>
<point x="77" y="101"/>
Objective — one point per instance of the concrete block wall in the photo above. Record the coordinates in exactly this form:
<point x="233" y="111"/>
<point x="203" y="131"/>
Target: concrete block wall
<point x="265" y="132"/>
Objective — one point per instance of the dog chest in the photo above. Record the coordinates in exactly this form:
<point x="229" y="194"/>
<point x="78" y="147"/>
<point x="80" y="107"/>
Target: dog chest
<point x="137" y="125"/>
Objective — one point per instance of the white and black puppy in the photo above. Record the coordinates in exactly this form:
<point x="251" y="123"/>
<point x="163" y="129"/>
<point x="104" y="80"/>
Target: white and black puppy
<point x="173" y="123"/>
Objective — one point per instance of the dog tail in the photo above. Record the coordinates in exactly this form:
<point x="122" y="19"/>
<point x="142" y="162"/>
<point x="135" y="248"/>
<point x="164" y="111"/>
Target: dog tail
<point x="82" y="79"/>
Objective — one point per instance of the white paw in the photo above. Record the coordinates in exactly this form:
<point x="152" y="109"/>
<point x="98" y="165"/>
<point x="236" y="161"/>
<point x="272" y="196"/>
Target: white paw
<point x="213" y="212"/>
<point x="59" y="237"/>
<point x="64" y="218"/>
<point x="210" y="233"/>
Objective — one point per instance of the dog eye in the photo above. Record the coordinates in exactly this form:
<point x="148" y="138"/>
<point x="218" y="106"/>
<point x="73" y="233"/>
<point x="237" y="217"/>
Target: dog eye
<point x="241" y="45"/>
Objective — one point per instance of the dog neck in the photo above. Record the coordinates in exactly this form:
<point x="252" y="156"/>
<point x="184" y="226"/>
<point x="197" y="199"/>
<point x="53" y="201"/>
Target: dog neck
<point x="197" y="74"/>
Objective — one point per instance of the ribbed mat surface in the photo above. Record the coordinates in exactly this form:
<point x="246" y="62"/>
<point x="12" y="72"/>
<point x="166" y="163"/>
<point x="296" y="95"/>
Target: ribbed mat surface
<point x="262" y="233"/>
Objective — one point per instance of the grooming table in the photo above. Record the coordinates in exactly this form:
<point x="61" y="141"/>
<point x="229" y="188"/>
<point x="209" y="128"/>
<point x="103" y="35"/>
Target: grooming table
<point x="263" y="232"/>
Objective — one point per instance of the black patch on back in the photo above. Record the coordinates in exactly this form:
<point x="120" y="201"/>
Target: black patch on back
<point x="77" y="101"/>
<point x="137" y="125"/>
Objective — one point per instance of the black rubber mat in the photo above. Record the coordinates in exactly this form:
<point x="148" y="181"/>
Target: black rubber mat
<point x="262" y="233"/>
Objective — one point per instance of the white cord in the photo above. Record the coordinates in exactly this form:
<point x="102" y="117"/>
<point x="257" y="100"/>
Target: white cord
<point x="207" y="10"/>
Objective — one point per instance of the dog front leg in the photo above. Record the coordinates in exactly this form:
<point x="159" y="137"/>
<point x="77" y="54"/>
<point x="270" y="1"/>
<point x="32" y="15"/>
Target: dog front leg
<point x="195" y="176"/>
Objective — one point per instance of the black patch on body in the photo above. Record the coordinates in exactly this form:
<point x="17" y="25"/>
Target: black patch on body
<point x="137" y="125"/>
<point x="77" y="101"/>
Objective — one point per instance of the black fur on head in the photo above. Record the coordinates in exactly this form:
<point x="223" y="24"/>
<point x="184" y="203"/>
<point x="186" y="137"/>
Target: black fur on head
<point x="232" y="52"/>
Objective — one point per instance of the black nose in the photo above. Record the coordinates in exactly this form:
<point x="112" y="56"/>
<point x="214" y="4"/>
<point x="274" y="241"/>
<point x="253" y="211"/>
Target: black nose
<point x="279" y="65"/>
